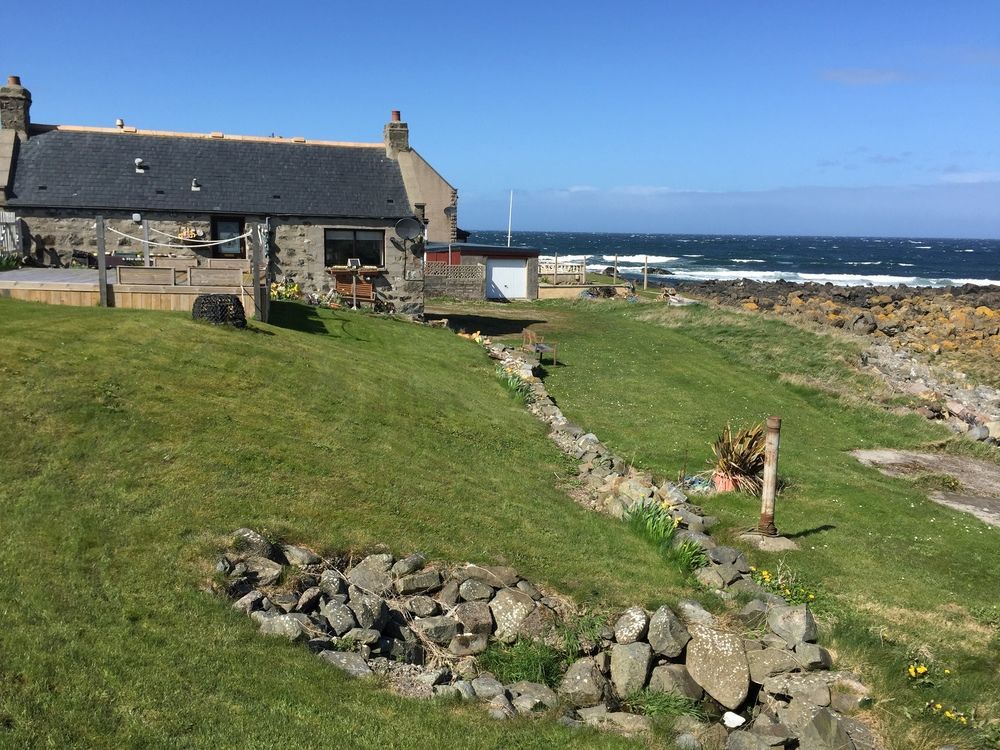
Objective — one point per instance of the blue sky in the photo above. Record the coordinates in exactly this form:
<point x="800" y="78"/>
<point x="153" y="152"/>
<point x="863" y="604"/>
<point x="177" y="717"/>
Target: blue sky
<point x="736" y="117"/>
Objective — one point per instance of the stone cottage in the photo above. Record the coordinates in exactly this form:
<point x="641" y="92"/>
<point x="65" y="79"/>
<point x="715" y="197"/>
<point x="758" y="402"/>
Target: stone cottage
<point x="325" y="206"/>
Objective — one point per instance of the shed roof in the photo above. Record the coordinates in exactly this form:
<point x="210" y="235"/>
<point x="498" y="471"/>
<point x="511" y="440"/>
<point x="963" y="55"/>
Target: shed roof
<point x="473" y="248"/>
<point x="95" y="169"/>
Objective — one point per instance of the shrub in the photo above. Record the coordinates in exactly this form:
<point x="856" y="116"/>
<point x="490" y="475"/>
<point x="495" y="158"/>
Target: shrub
<point x="524" y="660"/>
<point x="517" y="387"/>
<point x="652" y="522"/>
<point x="740" y="456"/>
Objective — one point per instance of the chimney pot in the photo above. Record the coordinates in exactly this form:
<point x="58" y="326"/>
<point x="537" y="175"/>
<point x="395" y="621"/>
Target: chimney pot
<point x="395" y="114"/>
<point x="13" y="80"/>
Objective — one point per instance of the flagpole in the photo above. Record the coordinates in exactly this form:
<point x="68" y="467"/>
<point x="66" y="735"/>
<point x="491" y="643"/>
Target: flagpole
<point x="510" y="217"/>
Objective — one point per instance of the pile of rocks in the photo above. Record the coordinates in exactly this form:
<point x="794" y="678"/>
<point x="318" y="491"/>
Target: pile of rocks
<point x="421" y="626"/>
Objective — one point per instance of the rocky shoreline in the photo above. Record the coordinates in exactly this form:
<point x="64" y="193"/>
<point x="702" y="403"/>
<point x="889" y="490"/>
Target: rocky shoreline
<point x="921" y="339"/>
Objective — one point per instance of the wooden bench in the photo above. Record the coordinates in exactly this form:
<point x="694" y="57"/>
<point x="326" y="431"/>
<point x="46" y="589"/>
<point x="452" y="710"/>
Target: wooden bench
<point x="348" y="289"/>
<point x="532" y="342"/>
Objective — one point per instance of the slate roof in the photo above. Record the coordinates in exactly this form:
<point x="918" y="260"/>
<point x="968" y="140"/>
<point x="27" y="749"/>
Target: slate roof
<point x="96" y="170"/>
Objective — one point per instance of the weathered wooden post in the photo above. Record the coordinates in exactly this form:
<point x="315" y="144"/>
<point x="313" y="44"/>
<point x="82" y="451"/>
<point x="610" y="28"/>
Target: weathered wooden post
<point x="645" y="272"/>
<point x="145" y="243"/>
<point x="555" y="270"/>
<point x="766" y="524"/>
<point x="102" y="264"/>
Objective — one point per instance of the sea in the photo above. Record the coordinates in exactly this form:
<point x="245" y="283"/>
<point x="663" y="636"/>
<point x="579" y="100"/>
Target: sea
<point x="843" y="261"/>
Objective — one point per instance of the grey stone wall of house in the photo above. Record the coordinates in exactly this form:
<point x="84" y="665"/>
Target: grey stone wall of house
<point x="440" y="286"/>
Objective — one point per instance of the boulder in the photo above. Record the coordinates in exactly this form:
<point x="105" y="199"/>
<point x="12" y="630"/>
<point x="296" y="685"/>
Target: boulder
<point x="448" y="595"/>
<point x="674" y="678"/>
<point x="372" y="574"/>
<point x="487" y="687"/>
<point x="438" y="630"/>
<point x="292" y="627"/>
<point x="847" y="692"/>
<point x="709" y="577"/>
<point x="630" y="667"/>
<point x="347" y="661"/>
<point x="809" y="688"/>
<point x="542" y="694"/>
<point x="631" y="626"/>
<point x="468" y="644"/>
<point x="495" y="576"/>
<point x="754" y="614"/>
<point x="309" y="599"/>
<point x="692" y="613"/>
<point x="539" y="623"/>
<point x="475" y="617"/>
<point x="769" y="662"/>
<point x="717" y="662"/>
<point x="666" y="634"/>
<point x="249" y="602"/>
<point x="340" y="617"/>
<point x="583" y="684"/>
<point x="369" y="610"/>
<point x="811" y="656"/>
<point x="252" y="544"/>
<point x="425" y="580"/>
<point x="422" y="606"/>
<point x="475" y="591"/>
<point x="408" y="565"/>
<point x="332" y="583"/>
<point x="529" y="589"/>
<point x="363" y="636"/>
<point x="510" y="607"/>
<point x="740" y="740"/>
<point x="300" y="557"/>
<point x="261" y="571"/>
<point x="825" y="731"/>
<point x="794" y="624"/>
<point x="500" y="708"/>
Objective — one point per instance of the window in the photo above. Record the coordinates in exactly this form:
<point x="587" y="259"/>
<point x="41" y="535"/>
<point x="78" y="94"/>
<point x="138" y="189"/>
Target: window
<point x="341" y="244"/>
<point x="228" y="229"/>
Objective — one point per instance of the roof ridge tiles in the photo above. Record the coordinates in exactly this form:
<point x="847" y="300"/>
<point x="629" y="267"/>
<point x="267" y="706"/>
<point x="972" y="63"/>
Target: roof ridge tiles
<point x="215" y="136"/>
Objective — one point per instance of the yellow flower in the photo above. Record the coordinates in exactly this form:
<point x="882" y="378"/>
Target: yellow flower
<point x="921" y="669"/>
<point x="963" y="719"/>
<point x="947" y="671"/>
<point x="937" y="706"/>
<point x="812" y="596"/>
<point x="912" y="671"/>
<point x="949" y="714"/>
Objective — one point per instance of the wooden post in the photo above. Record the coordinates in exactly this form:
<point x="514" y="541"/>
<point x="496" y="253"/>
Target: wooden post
<point x="258" y="304"/>
<point x="766" y="524"/>
<point x="555" y="270"/>
<point x="615" y="277"/>
<point x="645" y="272"/>
<point x="102" y="264"/>
<point x="145" y="243"/>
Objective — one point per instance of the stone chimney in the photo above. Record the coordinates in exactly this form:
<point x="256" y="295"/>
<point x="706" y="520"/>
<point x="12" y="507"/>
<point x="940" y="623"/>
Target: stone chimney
<point x="396" y="134"/>
<point x="15" y="106"/>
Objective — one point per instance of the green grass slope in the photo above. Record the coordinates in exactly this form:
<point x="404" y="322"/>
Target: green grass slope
<point x="133" y="440"/>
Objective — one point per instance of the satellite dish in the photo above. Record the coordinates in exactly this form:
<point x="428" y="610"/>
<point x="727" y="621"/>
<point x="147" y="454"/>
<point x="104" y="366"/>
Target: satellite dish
<point x="409" y="228"/>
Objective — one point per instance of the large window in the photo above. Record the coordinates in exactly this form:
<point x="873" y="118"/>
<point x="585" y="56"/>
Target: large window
<point x="341" y="244"/>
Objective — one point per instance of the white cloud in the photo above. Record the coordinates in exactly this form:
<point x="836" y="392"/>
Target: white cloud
<point x="971" y="178"/>
<point x="863" y="76"/>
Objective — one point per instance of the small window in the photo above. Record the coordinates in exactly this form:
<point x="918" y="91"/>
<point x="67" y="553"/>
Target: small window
<point x="341" y="244"/>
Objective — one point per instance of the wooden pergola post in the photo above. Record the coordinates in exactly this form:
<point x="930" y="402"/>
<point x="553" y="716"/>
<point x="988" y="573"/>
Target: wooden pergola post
<point x="102" y="264"/>
<point x="766" y="523"/>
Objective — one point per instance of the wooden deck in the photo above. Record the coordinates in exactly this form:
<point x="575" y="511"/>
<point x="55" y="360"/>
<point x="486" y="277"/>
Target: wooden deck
<point x="80" y="287"/>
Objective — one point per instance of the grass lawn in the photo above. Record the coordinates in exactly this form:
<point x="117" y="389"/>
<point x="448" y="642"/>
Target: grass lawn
<point x="897" y="575"/>
<point x="134" y="440"/>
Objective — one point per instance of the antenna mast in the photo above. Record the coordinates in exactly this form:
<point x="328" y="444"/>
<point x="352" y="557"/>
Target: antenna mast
<point x="510" y="217"/>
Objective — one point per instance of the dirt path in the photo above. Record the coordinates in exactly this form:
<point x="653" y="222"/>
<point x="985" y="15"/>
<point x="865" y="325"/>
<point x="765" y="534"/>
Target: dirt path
<point x="979" y="480"/>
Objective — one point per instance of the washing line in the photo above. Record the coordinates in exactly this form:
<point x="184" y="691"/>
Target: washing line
<point x="196" y="242"/>
<point x="151" y="243"/>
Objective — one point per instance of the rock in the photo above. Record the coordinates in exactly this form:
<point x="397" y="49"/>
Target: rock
<point x="824" y="732"/>
<point x="500" y="708"/>
<point x="626" y="722"/>
<point x="446" y="692"/>
<point x="746" y="741"/>
<point x="448" y="595"/>
<point x="408" y="565"/>
<point x="347" y="661"/>
<point x="308" y="600"/>
<point x="630" y="667"/>
<point x="300" y="557"/>
<point x="674" y="678"/>
<point x="432" y="677"/>
<point x="754" y="614"/>
<point x="285" y="602"/>
<point x="717" y="662"/>
<point x="262" y="572"/>
<point x="593" y="714"/>
<point x="733" y="720"/>
<point x="687" y="741"/>
<point x="539" y="623"/>
<point x="769" y="543"/>
<point x="250" y="543"/>
<point x="426" y="580"/>
<point x="475" y="591"/>
<point x="722" y="555"/>
<point x="372" y="574"/>
<point x="709" y="577"/>
<point x="978" y="432"/>
<point x="863" y="737"/>
<point x="631" y="626"/>
<point x="363" y="636"/>
<point x="847" y="693"/>
<point x="692" y="613"/>
<point x="468" y="644"/>
<point x="486" y="687"/>
<point x="769" y="662"/>
<point x="510" y="607"/>
<point x="794" y="624"/>
<point x="544" y="695"/>
<point x="332" y="583"/>
<point x="438" y="630"/>
<point x="475" y="617"/>
<point x="809" y="688"/>
<point x="529" y="589"/>
<point x="811" y="656"/>
<point x="666" y="634"/>
<point x="465" y="690"/>
<point x="370" y="611"/>
<point x="285" y="626"/>
<point x="249" y="602"/>
<point x="422" y="606"/>
<point x="495" y="576"/>
<point x="339" y="616"/>
<point x="583" y="684"/>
